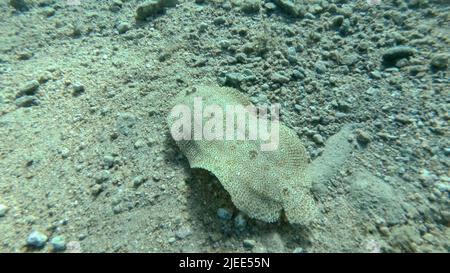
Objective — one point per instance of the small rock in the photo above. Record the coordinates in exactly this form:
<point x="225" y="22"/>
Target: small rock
<point x="153" y="7"/>
<point x="249" y="243"/>
<point x="25" y="55"/>
<point x="405" y="238"/>
<point x="349" y="59"/>
<point x="139" y="144"/>
<point x="337" y="21"/>
<point x="402" y="118"/>
<point x="270" y="6"/>
<point x="102" y="176"/>
<point x="278" y="77"/>
<point x="393" y="54"/>
<point x="123" y="27"/>
<point x="224" y="214"/>
<point x="233" y="79"/>
<point x="118" y="209"/>
<point x="384" y="230"/>
<point x="298" y="250"/>
<point x="172" y="240"/>
<point x="249" y="6"/>
<point x="49" y="11"/>
<point x="441" y="186"/>
<point x="45" y="77"/>
<point x="64" y="152"/>
<point x="27" y="101"/>
<point x="202" y="27"/>
<point x="363" y="137"/>
<point x="138" y="180"/>
<point x="292" y="54"/>
<point x="240" y="222"/>
<point x="125" y="122"/>
<point x="321" y="67"/>
<point x="440" y="61"/>
<point x="77" y="89"/>
<point x="376" y="74"/>
<point x="20" y="5"/>
<point x="96" y="189"/>
<point x="298" y="75"/>
<point x="73" y="247"/>
<point x="148" y="9"/>
<point x="219" y="20"/>
<point x="290" y="7"/>
<point x="425" y="176"/>
<point x="36" y="239"/>
<point x="29" y="89"/>
<point x="115" y="6"/>
<point x="318" y="139"/>
<point x="75" y="30"/>
<point x="58" y="243"/>
<point x="109" y="161"/>
<point x="183" y="232"/>
<point x="3" y="210"/>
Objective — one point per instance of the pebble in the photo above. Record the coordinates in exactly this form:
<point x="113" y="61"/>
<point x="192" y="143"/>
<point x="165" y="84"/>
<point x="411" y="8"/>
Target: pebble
<point x="224" y="214"/>
<point x="321" y="67"/>
<point x="298" y="250"/>
<point x="96" y="189"/>
<point x="240" y="222"/>
<point x="27" y="101"/>
<point x="219" y="20"/>
<point x="76" y="30"/>
<point x="298" y="75"/>
<point x="384" y="230"/>
<point x="249" y="6"/>
<point x="20" y="5"/>
<point x="402" y="118"/>
<point x="152" y="7"/>
<point x="318" y="139"/>
<point x="289" y="7"/>
<point x="77" y="89"/>
<point x="440" y="61"/>
<point x="139" y="144"/>
<point x="102" y="176"/>
<point x="233" y="79"/>
<point x="73" y="247"/>
<point x="376" y="74"/>
<point x="125" y="121"/>
<point x="36" y="239"/>
<point x="116" y="6"/>
<point x="349" y="59"/>
<point x="442" y="187"/>
<point x="183" y="232"/>
<point x="337" y="21"/>
<point x="45" y="77"/>
<point x="278" y="77"/>
<point x="138" y="180"/>
<point x="363" y="137"/>
<point x="292" y="54"/>
<point x="109" y="161"/>
<point x="123" y="27"/>
<point x="58" y="243"/>
<point x="396" y="53"/>
<point x="249" y="243"/>
<point x="270" y="6"/>
<point x="3" y="210"/>
<point x="29" y="88"/>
